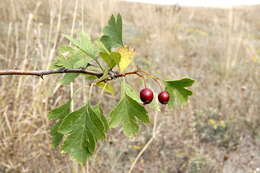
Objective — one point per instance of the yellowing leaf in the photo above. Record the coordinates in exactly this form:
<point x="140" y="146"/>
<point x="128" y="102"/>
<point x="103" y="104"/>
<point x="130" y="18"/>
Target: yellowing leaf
<point x="127" y="56"/>
<point x="106" y="87"/>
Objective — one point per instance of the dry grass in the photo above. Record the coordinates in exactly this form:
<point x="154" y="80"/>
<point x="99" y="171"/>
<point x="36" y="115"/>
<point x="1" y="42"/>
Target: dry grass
<point x="218" y="48"/>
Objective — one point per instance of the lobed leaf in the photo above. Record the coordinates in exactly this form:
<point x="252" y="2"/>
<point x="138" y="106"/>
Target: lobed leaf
<point x="85" y="45"/>
<point x="72" y="58"/>
<point x="58" y="114"/>
<point x="107" y="41"/>
<point x="83" y="128"/>
<point x="56" y="136"/>
<point x="97" y="109"/>
<point x="127" y="113"/>
<point x="68" y="78"/>
<point x="177" y="90"/>
<point x="65" y="49"/>
<point x="101" y="46"/>
<point x="112" y="37"/>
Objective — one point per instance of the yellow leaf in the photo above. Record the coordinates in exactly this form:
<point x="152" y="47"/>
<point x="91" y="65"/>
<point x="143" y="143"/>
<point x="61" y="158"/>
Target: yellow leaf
<point x="106" y="87"/>
<point x="127" y="56"/>
<point x="215" y="126"/>
<point x="212" y="122"/>
<point x="222" y="124"/>
<point x="137" y="147"/>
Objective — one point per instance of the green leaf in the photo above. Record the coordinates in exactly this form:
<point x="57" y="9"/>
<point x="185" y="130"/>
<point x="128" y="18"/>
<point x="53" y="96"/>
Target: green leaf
<point x="60" y="112"/>
<point x="65" y="49"/>
<point x="56" y="136"/>
<point x="107" y="42"/>
<point x="101" y="46"/>
<point x="128" y="90"/>
<point x="107" y="87"/>
<point x="85" y="45"/>
<point x="178" y="92"/>
<point x="69" y="77"/>
<point x="83" y="128"/>
<point x="72" y="59"/>
<point x="75" y="60"/>
<point x="112" y="59"/>
<point x="59" y="62"/>
<point x="79" y="145"/>
<point x="97" y="109"/>
<point x="70" y="120"/>
<point x="127" y="113"/>
<point x="90" y="77"/>
<point x="81" y="63"/>
<point x="113" y="33"/>
<point x="88" y="46"/>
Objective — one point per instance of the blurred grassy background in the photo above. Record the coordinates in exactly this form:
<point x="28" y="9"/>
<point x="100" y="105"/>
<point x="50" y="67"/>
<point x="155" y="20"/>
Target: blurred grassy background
<point x="218" y="131"/>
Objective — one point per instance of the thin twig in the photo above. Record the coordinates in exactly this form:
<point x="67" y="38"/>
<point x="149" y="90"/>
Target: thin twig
<point x="119" y="75"/>
<point x="42" y="73"/>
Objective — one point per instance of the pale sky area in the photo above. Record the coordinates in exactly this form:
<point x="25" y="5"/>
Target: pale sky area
<point x="201" y="3"/>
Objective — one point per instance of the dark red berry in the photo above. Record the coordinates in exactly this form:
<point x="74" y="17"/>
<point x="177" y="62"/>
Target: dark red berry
<point x="163" y="97"/>
<point x="146" y="95"/>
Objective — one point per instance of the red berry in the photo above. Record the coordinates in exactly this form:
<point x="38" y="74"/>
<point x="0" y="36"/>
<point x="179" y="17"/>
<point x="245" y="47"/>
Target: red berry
<point x="163" y="97"/>
<point x="146" y="95"/>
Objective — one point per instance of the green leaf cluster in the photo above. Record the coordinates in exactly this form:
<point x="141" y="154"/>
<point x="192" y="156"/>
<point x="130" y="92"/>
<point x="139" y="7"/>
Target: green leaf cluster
<point x="77" y="132"/>
<point x="85" y="53"/>
<point x="77" y="56"/>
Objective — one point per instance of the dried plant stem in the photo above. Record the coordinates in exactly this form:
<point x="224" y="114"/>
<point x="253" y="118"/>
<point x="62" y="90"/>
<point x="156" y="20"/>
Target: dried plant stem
<point x="90" y="91"/>
<point x="147" y="144"/>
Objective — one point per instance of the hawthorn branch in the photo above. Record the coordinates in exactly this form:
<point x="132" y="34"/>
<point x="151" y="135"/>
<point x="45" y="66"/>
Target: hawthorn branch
<point x="139" y="73"/>
<point x="42" y="73"/>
